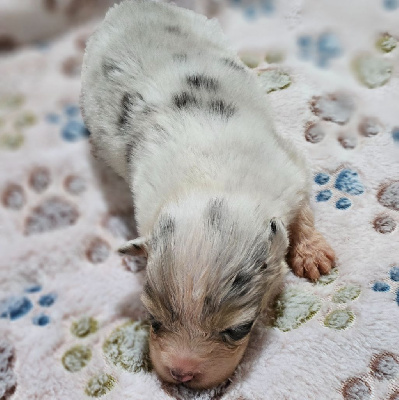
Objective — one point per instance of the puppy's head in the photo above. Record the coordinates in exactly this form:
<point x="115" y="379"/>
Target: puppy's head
<point x="211" y="270"/>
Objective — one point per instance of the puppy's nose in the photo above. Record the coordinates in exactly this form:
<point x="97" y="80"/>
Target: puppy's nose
<point x="181" y="376"/>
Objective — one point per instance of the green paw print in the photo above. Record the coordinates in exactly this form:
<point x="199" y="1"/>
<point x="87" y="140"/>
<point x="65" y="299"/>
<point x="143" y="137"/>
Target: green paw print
<point x="125" y="347"/>
<point x="76" y="358"/>
<point x="84" y="327"/>
<point x="339" y="319"/>
<point x="100" y="385"/>
<point x="295" y="306"/>
<point x="13" y="119"/>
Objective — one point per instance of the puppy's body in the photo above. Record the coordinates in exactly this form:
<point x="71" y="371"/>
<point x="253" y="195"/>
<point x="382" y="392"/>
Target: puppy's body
<point x="172" y="109"/>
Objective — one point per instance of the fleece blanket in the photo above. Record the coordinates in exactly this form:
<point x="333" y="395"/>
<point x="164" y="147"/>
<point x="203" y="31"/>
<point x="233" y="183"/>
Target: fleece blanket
<point x="71" y="322"/>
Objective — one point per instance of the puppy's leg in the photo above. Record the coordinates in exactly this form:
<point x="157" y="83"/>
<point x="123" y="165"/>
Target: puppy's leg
<point x="310" y="255"/>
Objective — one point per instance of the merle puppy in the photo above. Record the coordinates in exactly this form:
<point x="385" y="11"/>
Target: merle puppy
<point x="221" y="199"/>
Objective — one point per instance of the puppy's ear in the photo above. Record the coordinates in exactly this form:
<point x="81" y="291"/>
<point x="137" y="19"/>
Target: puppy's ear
<point x="136" y="247"/>
<point x="278" y="241"/>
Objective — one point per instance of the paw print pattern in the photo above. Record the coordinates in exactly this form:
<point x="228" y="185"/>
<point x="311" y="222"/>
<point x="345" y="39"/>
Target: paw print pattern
<point x="391" y="284"/>
<point x="126" y="347"/>
<point x="72" y="65"/>
<point x="253" y="9"/>
<point x="321" y="49"/>
<point x="273" y="79"/>
<point x="339" y="108"/>
<point x="390" y="5"/>
<point x="98" y="251"/>
<point x="386" y="43"/>
<point x="14" y="119"/>
<point x="387" y="196"/>
<point x="100" y="385"/>
<point x="384" y="224"/>
<point x="382" y="371"/>
<point x="16" y="307"/>
<point x="53" y="212"/>
<point x="372" y="71"/>
<point x="346" y="182"/>
<point x="72" y="128"/>
<point x="294" y="307"/>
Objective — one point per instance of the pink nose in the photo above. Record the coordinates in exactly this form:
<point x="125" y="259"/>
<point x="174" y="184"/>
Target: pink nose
<point x="181" y="376"/>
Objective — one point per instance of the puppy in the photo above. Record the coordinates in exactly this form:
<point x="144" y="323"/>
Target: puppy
<point x="219" y="195"/>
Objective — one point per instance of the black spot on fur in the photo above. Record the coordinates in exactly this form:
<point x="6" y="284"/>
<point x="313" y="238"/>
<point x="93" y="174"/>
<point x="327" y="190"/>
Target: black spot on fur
<point x="241" y="279"/>
<point x="173" y="29"/>
<point x="208" y="308"/>
<point x="148" y="290"/>
<point x="184" y="100"/>
<point x="222" y="108"/>
<point x="181" y="57"/>
<point x="127" y="103"/>
<point x="147" y="109"/>
<point x="128" y="152"/>
<point x="273" y="226"/>
<point x="241" y="284"/>
<point x="233" y="64"/>
<point x="199" y="81"/>
<point x="166" y="226"/>
<point x="215" y="213"/>
<point x="155" y="324"/>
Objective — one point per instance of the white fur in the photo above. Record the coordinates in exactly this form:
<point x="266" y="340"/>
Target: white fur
<point x="202" y="153"/>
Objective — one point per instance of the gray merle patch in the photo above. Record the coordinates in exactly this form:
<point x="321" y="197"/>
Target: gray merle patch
<point x="184" y="100"/>
<point x="173" y="29"/>
<point x="128" y="152"/>
<point x="215" y="213"/>
<point x="127" y="103"/>
<point x="233" y="64"/>
<point x="200" y="81"/>
<point x="222" y="108"/>
<point x="181" y="57"/>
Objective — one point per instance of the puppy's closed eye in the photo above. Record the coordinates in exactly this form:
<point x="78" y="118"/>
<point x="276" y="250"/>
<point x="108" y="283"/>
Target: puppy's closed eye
<point x="237" y="333"/>
<point x="155" y="324"/>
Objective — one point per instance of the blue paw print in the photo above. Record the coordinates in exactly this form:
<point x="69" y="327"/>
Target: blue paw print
<point x="346" y="182"/>
<point x="392" y="284"/>
<point x="253" y="9"/>
<point x="391" y="5"/>
<point x="320" y="50"/>
<point x="73" y="127"/>
<point x="15" y="307"/>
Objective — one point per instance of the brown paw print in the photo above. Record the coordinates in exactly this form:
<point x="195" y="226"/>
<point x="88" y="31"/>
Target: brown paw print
<point x="72" y="65"/>
<point x="388" y="197"/>
<point x="98" y="250"/>
<point x="54" y="211"/>
<point x="384" y="369"/>
<point x="336" y="111"/>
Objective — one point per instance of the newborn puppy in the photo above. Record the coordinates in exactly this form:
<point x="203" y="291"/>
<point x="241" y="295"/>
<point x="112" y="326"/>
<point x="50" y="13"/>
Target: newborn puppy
<point x="221" y="199"/>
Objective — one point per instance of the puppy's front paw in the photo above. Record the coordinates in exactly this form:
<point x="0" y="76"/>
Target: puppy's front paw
<point x="311" y="256"/>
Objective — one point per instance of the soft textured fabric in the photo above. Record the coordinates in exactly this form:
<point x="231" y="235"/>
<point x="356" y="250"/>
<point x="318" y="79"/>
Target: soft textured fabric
<point x="71" y="322"/>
